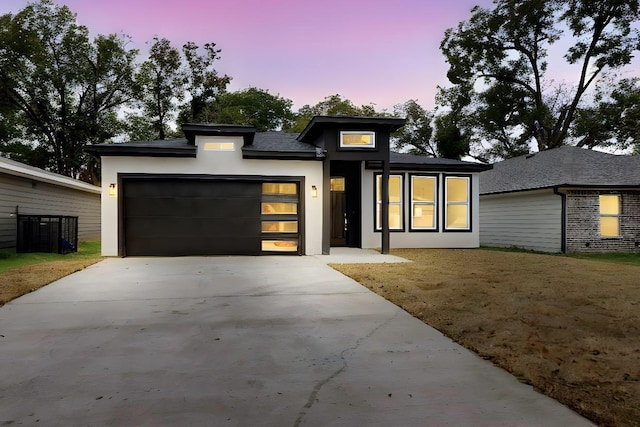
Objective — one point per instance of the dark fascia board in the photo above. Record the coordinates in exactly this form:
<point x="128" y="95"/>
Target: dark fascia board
<point x="565" y="187"/>
<point x="318" y="123"/>
<point x="192" y="129"/>
<point x="280" y="155"/>
<point x="466" y="167"/>
<point x="146" y="151"/>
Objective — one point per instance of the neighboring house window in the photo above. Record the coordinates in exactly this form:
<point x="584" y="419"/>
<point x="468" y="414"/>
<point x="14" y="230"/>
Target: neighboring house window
<point x="457" y="215"/>
<point x="219" y="146"/>
<point x="395" y="202"/>
<point x="609" y="215"/>
<point x="357" y="139"/>
<point x="424" y="191"/>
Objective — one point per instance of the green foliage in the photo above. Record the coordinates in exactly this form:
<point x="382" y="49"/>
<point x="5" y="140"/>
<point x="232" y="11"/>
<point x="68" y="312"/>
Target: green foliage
<point x="59" y="87"/>
<point x="498" y="62"/>
<point x="333" y="105"/>
<point x="415" y="137"/>
<point x="159" y="86"/>
<point x="202" y="83"/>
<point x="255" y="107"/>
<point x="9" y="259"/>
<point x="614" y="120"/>
<point x="451" y="142"/>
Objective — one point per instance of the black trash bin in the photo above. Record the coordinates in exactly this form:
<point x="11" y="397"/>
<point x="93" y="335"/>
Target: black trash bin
<point x="47" y="233"/>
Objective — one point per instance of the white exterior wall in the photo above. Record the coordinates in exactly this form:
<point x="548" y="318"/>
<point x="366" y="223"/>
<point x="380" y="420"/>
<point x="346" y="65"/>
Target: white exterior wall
<point x="528" y="220"/>
<point x="418" y="239"/>
<point x="213" y="163"/>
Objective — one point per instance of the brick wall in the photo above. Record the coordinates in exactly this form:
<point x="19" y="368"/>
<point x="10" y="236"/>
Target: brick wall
<point x="583" y="223"/>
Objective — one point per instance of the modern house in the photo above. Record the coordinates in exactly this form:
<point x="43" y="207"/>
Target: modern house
<point x="26" y="190"/>
<point x="227" y="189"/>
<point x="563" y="200"/>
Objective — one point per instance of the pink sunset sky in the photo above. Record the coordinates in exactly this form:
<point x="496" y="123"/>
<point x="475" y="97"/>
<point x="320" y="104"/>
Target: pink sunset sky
<point x="382" y="52"/>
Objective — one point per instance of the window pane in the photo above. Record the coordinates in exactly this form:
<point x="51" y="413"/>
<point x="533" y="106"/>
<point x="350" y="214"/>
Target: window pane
<point x="423" y="216"/>
<point x="457" y="216"/>
<point x="395" y="217"/>
<point x="274" y="208"/>
<point x="609" y="226"/>
<point x="279" y="188"/>
<point x="280" y="245"/>
<point x="424" y="188"/>
<point x="395" y="189"/>
<point x="337" y="184"/>
<point x="457" y="189"/>
<point x="219" y="146"/>
<point x="357" y="139"/>
<point x="610" y="205"/>
<point x="279" y="226"/>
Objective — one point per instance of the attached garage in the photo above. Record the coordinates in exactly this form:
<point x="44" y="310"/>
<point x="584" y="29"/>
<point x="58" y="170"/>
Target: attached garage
<point x="206" y="215"/>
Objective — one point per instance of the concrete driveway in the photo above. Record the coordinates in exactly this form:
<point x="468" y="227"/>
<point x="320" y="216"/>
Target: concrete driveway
<point x="241" y="341"/>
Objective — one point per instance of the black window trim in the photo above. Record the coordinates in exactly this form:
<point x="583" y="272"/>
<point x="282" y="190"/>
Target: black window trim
<point x="436" y="207"/>
<point x="402" y="203"/>
<point x="444" y="204"/>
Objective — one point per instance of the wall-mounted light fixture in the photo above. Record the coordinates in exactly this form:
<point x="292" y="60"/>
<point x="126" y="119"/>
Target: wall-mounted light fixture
<point x="314" y="191"/>
<point x="113" y="190"/>
<point x="15" y="212"/>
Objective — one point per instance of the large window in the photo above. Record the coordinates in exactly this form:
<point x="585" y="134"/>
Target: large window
<point x="280" y="217"/>
<point x="357" y="139"/>
<point x="609" y="215"/>
<point x="457" y="213"/>
<point x="395" y="202"/>
<point x="424" y="193"/>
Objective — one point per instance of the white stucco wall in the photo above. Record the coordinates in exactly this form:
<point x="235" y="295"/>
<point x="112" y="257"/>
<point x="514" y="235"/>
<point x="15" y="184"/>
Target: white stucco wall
<point x="529" y="220"/>
<point x="418" y="239"/>
<point x="213" y="163"/>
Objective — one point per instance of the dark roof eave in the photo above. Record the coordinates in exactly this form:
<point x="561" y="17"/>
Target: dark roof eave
<point x="281" y="155"/>
<point x="192" y="129"/>
<point x="435" y="167"/>
<point x="115" y="150"/>
<point x="392" y="123"/>
<point x="565" y="186"/>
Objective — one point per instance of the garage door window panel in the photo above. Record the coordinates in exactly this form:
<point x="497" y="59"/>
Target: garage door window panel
<point x="280" y="217"/>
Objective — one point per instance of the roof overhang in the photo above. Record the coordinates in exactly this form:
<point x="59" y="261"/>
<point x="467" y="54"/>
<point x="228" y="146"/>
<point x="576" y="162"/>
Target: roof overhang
<point x="17" y="169"/>
<point x="434" y="167"/>
<point x="142" y="150"/>
<point x="319" y="123"/>
<point x="192" y="129"/>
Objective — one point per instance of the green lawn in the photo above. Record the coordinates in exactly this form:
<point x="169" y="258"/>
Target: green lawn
<point x="9" y="259"/>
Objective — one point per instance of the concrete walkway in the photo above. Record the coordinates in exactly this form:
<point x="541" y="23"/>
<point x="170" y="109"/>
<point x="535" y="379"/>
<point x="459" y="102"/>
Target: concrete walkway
<point x="241" y="341"/>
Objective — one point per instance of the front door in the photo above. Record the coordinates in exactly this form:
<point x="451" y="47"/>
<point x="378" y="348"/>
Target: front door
<point x="338" y="212"/>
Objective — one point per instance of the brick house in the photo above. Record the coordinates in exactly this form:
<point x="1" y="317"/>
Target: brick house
<point x="562" y="200"/>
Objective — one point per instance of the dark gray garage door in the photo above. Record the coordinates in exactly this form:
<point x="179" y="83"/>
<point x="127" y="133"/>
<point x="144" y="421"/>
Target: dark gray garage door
<point x="172" y="217"/>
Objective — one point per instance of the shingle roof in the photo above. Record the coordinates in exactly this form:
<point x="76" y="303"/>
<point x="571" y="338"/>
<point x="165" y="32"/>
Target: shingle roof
<point x="564" y="166"/>
<point x="279" y="141"/>
<point x="398" y="159"/>
<point x="11" y="167"/>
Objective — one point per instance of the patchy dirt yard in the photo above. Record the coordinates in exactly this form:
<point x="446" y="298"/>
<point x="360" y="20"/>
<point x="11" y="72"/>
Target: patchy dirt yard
<point x="22" y="280"/>
<point x="569" y="327"/>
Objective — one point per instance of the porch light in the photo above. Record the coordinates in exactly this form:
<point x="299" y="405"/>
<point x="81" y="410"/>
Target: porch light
<point x="113" y="190"/>
<point x="314" y="191"/>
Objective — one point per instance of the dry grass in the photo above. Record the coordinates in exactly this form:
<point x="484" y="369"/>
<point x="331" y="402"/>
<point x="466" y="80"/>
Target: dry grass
<point x="569" y="327"/>
<point x="22" y="280"/>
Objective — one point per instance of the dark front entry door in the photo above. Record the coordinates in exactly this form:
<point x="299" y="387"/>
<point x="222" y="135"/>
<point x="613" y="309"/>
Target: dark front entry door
<point x="338" y="212"/>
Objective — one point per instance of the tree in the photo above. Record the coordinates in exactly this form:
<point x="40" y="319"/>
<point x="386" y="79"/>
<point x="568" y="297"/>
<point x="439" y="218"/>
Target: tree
<point x="499" y="58"/>
<point x="614" y="120"/>
<point x="160" y="86"/>
<point x="255" y="107"/>
<point x="333" y="105"/>
<point x="415" y="136"/>
<point x="60" y="88"/>
<point x="450" y="141"/>
<point x="202" y="83"/>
